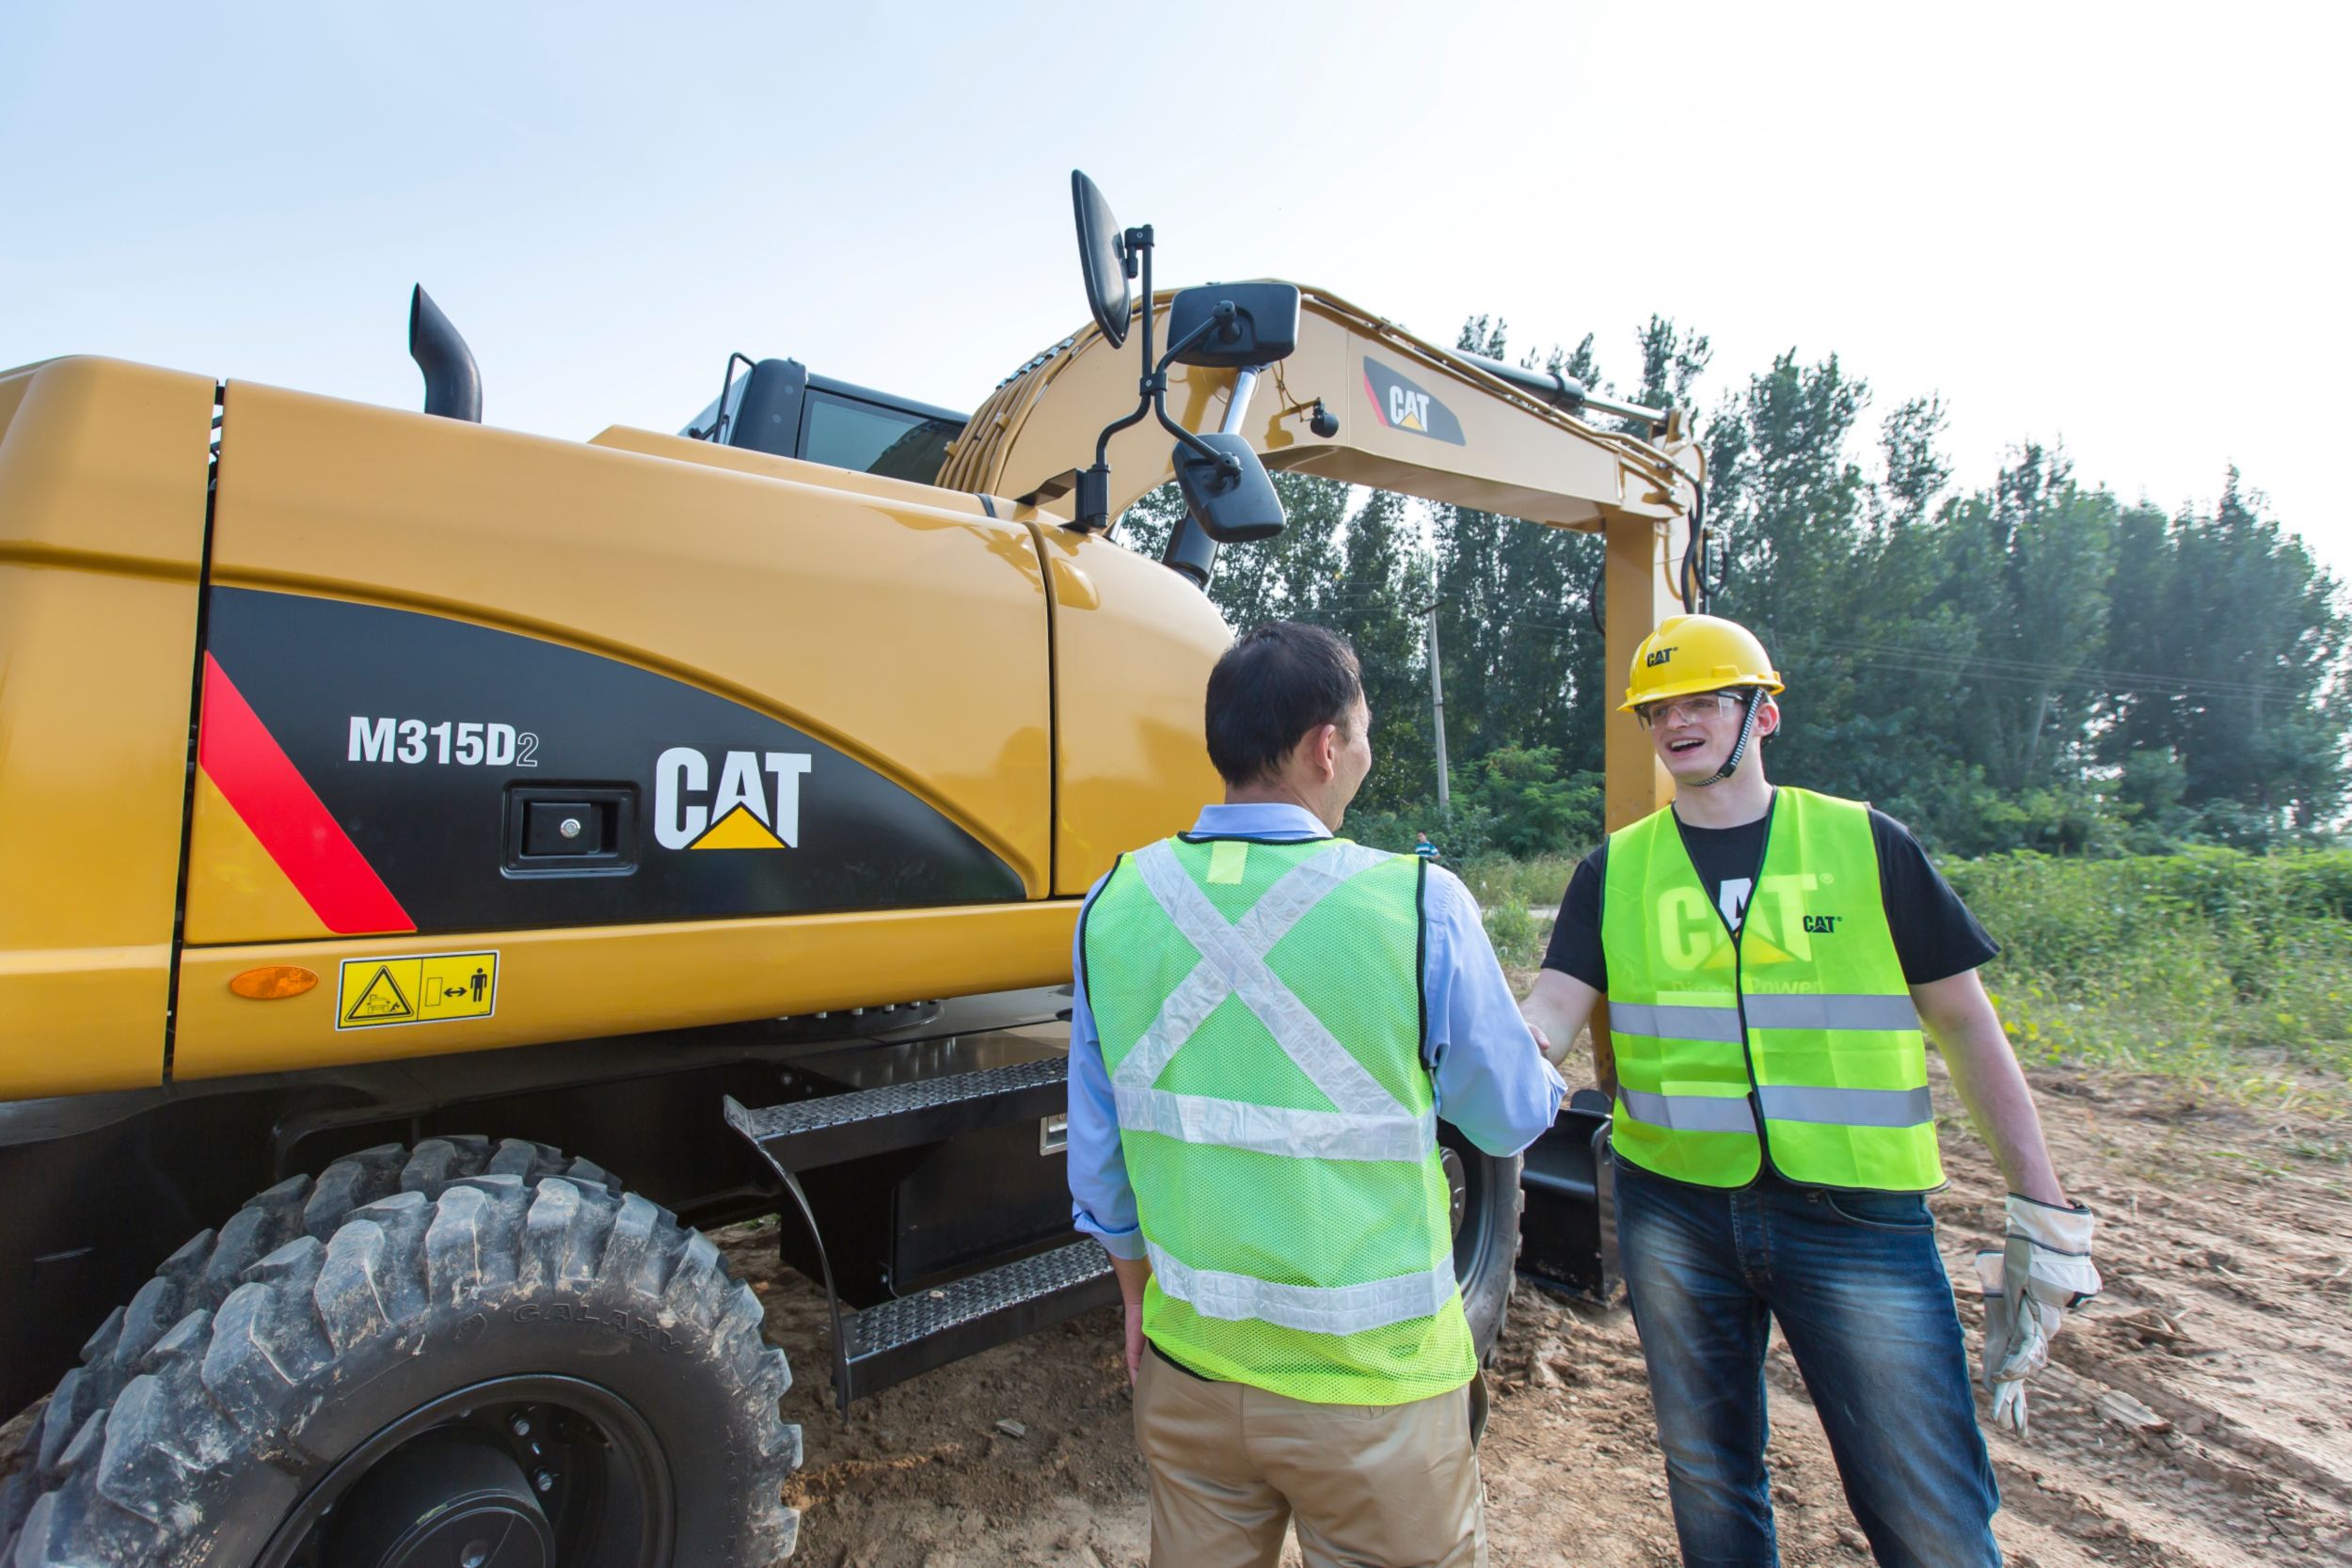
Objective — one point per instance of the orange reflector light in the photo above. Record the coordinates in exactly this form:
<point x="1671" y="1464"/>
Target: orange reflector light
<point x="273" y="982"/>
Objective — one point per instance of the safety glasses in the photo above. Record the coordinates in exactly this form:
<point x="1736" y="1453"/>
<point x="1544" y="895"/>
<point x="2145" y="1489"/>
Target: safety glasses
<point x="1697" y="708"/>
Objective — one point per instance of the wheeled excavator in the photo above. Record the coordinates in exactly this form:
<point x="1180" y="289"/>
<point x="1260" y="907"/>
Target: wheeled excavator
<point x="446" y="871"/>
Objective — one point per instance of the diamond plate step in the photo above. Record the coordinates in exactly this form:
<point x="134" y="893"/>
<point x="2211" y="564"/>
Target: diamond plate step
<point x="807" y="1134"/>
<point x="903" y="1338"/>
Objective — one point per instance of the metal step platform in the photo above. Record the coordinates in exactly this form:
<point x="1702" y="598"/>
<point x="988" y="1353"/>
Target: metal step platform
<point x="891" y="1340"/>
<point x="903" y="1338"/>
<point x="806" y="1133"/>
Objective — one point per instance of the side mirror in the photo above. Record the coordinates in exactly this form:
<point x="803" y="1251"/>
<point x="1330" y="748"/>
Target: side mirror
<point x="1235" y="506"/>
<point x="1260" y="326"/>
<point x="1102" y="259"/>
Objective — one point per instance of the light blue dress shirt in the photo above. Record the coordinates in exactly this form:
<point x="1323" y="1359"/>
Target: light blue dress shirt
<point x="1490" y="1080"/>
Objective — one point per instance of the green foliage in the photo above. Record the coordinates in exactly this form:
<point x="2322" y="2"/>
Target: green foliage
<point x="1465" y="838"/>
<point x="2205" y="962"/>
<point x="1517" y="935"/>
<point x="2027" y="666"/>
<point x="1536" y="810"/>
<point x="1538" y="883"/>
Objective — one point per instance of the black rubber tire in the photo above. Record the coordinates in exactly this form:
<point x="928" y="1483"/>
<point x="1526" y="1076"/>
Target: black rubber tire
<point x="325" y="1310"/>
<point x="1486" y="1247"/>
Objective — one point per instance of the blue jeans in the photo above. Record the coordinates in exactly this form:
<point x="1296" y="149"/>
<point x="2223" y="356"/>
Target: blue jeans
<point x="1861" y="1296"/>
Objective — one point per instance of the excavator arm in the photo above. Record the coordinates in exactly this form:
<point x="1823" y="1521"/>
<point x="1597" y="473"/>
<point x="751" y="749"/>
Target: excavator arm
<point x="1405" y="415"/>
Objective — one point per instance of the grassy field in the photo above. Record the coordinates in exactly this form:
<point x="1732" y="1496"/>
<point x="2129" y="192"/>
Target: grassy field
<point x="2230" y="970"/>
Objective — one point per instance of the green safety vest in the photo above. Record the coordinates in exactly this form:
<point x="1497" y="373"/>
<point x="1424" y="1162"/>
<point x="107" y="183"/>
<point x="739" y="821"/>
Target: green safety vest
<point x="1260" y="1010"/>
<point x="1802" y="1020"/>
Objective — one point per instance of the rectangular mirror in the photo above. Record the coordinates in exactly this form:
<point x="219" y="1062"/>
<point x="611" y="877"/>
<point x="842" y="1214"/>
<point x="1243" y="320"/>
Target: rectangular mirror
<point x="1263" y="328"/>
<point x="1231" y="509"/>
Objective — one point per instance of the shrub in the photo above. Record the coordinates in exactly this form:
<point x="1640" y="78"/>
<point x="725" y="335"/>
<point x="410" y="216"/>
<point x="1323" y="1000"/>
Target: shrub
<point x="2180" y="959"/>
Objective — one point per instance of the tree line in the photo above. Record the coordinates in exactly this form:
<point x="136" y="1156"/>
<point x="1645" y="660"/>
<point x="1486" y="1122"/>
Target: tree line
<point x="2033" y="665"/>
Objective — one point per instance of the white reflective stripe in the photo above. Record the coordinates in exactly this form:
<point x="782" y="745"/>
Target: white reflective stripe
<point x="1848" y="1107"/>
<point x="1300" y="889"/>
<point x="1234" y="956"/>
<point x="1269" y="920"/>
<point x="1832" y="1012"/>
<point x="1676" y="1021"/>
<point x="1186" y="1008"/>
<point x="1311" y="1308"/>
<point x="1690" y="1112"/>
<point x="1275" y="1130"/>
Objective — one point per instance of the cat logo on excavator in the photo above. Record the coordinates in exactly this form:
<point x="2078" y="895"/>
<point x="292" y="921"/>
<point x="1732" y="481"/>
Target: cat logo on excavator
<point x="744" y="814"/>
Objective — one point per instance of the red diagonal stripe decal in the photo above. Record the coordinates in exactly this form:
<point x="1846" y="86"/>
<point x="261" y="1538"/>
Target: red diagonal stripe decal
<point x="261" y="783"/>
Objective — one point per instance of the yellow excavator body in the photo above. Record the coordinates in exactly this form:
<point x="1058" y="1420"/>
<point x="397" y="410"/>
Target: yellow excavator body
<point x="390" y="804"/>
<point x="835" y="739"/>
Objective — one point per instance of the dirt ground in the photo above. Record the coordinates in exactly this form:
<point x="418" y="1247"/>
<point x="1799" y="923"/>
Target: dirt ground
<point x="2200" y="1413"/>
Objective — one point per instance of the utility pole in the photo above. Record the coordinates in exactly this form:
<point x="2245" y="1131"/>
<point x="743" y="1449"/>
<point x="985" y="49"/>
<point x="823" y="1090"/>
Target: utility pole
<point x="1436" y="709"/>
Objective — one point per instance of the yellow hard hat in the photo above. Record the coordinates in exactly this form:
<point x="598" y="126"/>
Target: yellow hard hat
<point x="1689" y="654"/>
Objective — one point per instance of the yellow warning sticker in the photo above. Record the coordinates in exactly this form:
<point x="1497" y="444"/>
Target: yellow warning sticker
<point x="434" y="987"/>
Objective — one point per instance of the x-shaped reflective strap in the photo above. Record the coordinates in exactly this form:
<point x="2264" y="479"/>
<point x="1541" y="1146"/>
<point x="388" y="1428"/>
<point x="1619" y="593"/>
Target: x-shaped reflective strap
<point x="1233" y="963"/>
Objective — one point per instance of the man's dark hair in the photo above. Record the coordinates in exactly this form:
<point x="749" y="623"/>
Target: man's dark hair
<point x="1280" y="680"/>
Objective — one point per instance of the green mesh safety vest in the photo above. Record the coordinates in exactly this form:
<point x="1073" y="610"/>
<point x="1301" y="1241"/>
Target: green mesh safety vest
<point x="1802" y="1020"/>
<point x="1260" y="1010"/>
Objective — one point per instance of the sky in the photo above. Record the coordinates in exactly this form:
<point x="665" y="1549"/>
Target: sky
<point x="2113" y="228"/>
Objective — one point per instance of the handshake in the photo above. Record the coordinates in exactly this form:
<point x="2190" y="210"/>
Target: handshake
<point x="1556" y="1056"/>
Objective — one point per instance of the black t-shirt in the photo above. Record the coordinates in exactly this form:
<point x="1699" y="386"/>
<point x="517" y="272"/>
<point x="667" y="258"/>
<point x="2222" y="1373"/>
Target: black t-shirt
<point x="1935" y="936"/>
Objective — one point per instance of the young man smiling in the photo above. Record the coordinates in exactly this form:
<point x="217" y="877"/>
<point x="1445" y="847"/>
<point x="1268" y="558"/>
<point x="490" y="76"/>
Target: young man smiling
<point x="1768" y="958"/>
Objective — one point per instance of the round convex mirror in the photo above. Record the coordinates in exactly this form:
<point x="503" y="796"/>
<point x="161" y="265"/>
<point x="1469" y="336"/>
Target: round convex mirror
<point x="1101" y="256"/>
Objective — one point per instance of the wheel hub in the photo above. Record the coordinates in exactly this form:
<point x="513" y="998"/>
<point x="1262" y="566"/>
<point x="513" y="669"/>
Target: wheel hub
<point x="451" y="1498"/>
<point x="516" y="1472"/>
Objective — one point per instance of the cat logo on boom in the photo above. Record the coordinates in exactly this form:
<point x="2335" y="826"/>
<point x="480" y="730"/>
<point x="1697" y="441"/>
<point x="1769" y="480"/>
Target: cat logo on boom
<point x="757" y="804"/>
<point x="1403" y="403"/>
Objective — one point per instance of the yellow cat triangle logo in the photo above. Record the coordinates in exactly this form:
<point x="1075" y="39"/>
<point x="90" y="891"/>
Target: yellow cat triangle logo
<point x="738" y="829"/>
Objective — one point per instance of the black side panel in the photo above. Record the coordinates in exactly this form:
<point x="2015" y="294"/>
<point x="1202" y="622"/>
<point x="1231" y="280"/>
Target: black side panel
<point x="429" y="740"/>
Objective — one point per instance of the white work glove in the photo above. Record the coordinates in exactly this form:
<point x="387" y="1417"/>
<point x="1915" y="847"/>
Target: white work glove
<point x="2043" y="1269"/>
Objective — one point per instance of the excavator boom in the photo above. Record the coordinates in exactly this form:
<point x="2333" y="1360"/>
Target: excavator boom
<point x="1410" y="418"/>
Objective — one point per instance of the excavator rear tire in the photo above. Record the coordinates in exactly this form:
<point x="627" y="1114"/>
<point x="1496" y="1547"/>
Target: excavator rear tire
<point x="415" y="1314"/>
<point x="1486" y="1241"/>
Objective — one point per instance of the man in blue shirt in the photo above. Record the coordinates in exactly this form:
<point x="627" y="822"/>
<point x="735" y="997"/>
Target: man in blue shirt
<point x="1387" y="1476"/>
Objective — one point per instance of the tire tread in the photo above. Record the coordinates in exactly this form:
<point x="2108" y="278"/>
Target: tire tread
<point x="220" y="1359"/>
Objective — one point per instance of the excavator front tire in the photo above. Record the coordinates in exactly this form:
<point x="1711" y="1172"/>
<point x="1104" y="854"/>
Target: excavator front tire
<point x="462" y="1352"/>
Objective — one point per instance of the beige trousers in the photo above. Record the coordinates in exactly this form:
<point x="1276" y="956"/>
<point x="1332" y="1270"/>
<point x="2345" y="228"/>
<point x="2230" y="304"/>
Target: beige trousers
<point x="1368" y="1486"/>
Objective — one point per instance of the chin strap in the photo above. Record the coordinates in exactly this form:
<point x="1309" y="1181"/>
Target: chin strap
<point x="1754" y="704"/>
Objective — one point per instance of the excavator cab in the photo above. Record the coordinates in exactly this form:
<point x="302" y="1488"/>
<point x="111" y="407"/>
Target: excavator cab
<point x="779" y="408"/>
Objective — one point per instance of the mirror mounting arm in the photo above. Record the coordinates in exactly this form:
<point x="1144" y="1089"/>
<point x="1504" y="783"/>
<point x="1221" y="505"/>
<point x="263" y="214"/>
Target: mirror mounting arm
<point x="1155" y="387"/>
<point x="1093" y="507"/>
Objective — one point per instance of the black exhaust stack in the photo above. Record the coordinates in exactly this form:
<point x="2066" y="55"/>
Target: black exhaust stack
<point x="452" y="383"/>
